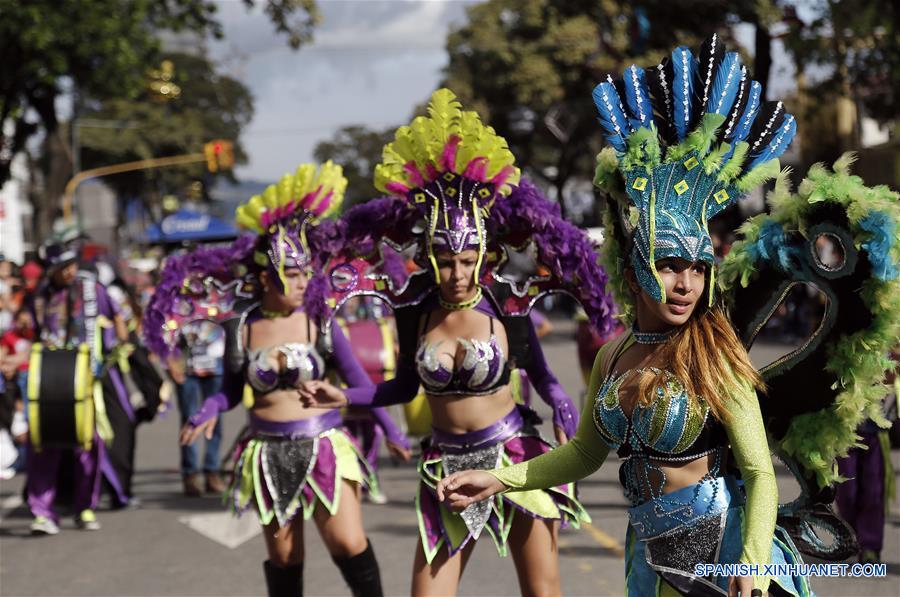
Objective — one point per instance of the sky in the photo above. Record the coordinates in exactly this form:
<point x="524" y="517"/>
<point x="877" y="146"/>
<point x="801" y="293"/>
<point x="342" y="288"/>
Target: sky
<point x="371" y="63"/>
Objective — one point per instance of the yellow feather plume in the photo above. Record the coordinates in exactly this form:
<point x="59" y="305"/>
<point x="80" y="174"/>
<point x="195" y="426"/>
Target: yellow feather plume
<point x="320" y="191"/>
<point x="422" y="144"/>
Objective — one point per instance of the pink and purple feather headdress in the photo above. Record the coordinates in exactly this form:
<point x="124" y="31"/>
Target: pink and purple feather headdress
<point x="450" y="167"/>
<point x="285" y="212"/>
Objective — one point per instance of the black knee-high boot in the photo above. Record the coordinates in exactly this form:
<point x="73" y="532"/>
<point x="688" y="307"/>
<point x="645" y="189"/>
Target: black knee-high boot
<point x="361" y="573"/>
<point x="284" y="581"/>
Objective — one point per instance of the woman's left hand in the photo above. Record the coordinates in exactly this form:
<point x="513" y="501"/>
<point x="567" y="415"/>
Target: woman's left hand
<point x="561" y="436"/>
<point x="464" y="488"/>
<point x="398" y="452"/>
<point x="321" y="394"/>
<point x="741" y="585"/>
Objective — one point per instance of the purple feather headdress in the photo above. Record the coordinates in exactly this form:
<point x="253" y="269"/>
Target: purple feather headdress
<point x="286" y="213"/>
<point x="563" y="248"/>
<point x="208" y="282"/>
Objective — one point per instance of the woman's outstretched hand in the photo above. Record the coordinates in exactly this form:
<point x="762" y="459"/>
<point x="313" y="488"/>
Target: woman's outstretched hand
<point x="321" y="394"/>
<point x="398" y="452"/>
<point x="461" y="489"/>
<point x="190" y="433"/>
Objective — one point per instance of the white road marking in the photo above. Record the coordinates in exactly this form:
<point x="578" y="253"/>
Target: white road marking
<point x="9" y="504"/>
<point x="223" y="527"/>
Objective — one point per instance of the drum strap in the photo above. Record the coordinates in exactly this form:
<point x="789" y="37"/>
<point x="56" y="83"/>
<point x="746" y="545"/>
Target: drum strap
<point x="104" y="427"/>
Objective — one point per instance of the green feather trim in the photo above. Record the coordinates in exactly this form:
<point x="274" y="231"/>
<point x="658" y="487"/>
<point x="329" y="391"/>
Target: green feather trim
<point x="732" y="168"/>
<point x="606" y="175"/>
<point x="758" y="175"/>
<point x="738" y="266"/>
<point x="699" y="140"/>
<point x="713" y="161"/>
<point x="613" y="261"/>
<point x="843" y="163"/>
<point x="643" y="150"/>
<point x="779" y="197"/>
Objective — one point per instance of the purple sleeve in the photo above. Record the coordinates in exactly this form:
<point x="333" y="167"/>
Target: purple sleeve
<point x="355" y="376"/>
<point x="402" y="388"/>
<point x="564" y="414"/>
<point x="105" y="305"/>
<point x="227" y="398"/>
<point x="347" y="365"/>
<point x="537" y="318"/>
<point x="391" y="431"/>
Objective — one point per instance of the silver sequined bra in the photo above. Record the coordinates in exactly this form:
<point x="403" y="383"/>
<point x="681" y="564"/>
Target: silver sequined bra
<point x="484" y="369"/>
<point x="302" y="363"/>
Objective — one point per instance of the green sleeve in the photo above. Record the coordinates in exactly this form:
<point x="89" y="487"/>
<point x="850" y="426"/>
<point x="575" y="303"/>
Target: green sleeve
<point x="578" y="458"/>
<point x="750" y="447"/>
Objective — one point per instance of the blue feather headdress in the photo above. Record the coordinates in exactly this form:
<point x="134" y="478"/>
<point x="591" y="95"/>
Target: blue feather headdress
<point x="691" y="136"/>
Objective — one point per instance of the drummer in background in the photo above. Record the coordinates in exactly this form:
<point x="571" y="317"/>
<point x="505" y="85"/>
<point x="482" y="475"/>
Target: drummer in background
<point x="70" y="308"/>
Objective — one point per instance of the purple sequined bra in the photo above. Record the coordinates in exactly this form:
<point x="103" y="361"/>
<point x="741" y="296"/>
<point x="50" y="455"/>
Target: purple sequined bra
<point x="484" y="368"/>
<point x="302" y="362"/>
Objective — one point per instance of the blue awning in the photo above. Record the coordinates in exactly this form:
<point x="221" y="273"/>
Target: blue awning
<point x="188" y="225"/>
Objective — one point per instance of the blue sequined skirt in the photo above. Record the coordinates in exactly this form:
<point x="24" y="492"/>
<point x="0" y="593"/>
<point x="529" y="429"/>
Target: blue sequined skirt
<point x="699" y="524"/>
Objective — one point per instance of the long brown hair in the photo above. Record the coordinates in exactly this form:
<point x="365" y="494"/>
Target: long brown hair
<point x="707" y="357"/>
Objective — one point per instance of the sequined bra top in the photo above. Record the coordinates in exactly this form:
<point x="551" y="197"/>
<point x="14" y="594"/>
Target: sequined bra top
<point x="484" y="368"/>
<point x="672" y="428"/>
<point x="302" y="362"/>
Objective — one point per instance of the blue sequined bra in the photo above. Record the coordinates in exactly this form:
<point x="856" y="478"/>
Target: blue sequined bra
<point x="673" y="428"/>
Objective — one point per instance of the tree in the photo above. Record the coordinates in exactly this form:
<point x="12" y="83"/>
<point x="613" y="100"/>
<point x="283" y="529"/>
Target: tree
<point x="528" y="66"/>
<point x="102" y="49"/>
<point x="358" y="150"/>
<point x="210" y="106"/>
<point x="854" y="47"/>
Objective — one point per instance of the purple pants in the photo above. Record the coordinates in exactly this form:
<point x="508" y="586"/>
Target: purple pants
<point x="43" y="475"/>
<point x="860" y="499"/>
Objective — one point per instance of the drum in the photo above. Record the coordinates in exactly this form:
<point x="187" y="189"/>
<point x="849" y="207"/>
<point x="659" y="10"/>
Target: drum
<point x="373" y="346"/>
<point x="60" y="397"/>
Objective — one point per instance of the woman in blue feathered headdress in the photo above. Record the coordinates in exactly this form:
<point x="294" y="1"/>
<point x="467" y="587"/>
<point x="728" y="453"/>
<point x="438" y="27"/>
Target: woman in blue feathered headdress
<point x="677" y="394"/>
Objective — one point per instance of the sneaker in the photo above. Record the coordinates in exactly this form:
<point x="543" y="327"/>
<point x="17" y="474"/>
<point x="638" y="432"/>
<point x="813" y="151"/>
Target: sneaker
<point x="376" y="498"/>
<point x="87" y="521"/>
<point x="41" y="525"/>
<point x="215" y="483"/>
<point x="869" y="556"/>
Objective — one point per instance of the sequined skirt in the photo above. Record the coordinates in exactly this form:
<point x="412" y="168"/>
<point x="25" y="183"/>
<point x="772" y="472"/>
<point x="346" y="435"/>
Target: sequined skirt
<point x="699" y="524"/>
<point x="510" y="440"/>
<point x="285" y="468"/>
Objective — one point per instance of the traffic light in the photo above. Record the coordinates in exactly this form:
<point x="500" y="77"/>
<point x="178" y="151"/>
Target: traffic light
<point x="219" y="155"/>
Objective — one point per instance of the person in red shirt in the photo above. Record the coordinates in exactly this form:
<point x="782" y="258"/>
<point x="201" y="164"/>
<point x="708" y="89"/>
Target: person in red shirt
<point x="15" y="345"/>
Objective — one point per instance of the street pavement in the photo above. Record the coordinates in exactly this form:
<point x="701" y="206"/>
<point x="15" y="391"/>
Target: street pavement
<point x="172" y="545"/>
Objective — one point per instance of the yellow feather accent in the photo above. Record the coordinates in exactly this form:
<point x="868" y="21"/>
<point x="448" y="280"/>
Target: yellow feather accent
<point x="424" y="140"/>
<point x="307" y="188"/>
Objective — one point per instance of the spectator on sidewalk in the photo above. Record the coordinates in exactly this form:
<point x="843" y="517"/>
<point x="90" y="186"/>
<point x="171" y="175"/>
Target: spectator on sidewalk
<point x="198" y="376"/>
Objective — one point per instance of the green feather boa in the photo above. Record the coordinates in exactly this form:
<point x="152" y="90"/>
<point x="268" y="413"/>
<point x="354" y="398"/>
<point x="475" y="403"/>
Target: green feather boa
<point x="859" y="361"/>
